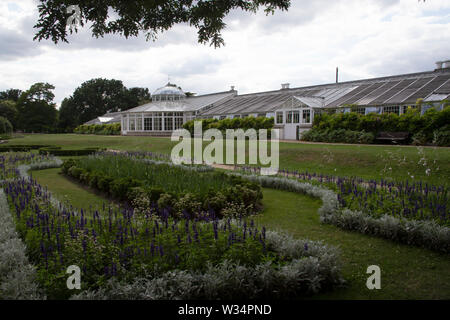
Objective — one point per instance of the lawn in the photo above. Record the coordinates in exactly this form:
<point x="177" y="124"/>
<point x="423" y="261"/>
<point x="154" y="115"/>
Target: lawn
<point x="68" y="191"/>
<point x="407" y="272"/>
<point x="369" y="162"/>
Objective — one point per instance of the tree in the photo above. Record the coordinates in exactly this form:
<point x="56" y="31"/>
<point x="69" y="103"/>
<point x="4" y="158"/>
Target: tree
<point x="9" y="111"/>
<point x="39" y="92"/>
<point x="5" y="126"/>
<point x="97" y="97"/>
<point x="37" y="112"/>
<point x="10" y="94"/>
<point x="139" y="96"/>
<point x="68" y="119"/>
<point x="148" y="16"/>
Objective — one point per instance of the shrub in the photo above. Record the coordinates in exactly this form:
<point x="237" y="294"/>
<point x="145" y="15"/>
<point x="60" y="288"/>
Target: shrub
<point x="99" y="129"/>
<point x="120" y="188"/>
<point x="338" y="135"/>
<point x="103" y="183"/>
<point x="75" y="172"/>
<point x="5" y="126"/>
<point x="419" y="139"/>
<point x="166" y="200"/>
<point x="190" y="203"/>
<point x="236" y="123"/>
<point x="356" y="128"/>
<point x="441" y="137"/>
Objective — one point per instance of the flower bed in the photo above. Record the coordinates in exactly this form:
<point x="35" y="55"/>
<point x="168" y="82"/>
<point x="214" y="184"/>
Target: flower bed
<point x="426" y="233"/>
<point x="401" y="199"/>
<point x="162" y="257"/>
<point x="11" y="160"/>
<point x="185" y="191"/>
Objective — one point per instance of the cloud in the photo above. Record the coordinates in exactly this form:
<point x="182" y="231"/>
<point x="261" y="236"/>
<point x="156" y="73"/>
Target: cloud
<point x="365" y="38"/>
<point x="193" y="65"/>
<point x="15" y="45"/>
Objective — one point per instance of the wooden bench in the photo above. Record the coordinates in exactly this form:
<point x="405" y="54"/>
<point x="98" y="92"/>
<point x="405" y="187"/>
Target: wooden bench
<point x="393" y="136"/>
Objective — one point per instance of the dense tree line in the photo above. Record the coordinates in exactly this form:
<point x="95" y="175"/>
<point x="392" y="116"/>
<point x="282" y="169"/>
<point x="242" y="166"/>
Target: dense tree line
<point x="97" y="97"/>
<point x="33" y="110"/>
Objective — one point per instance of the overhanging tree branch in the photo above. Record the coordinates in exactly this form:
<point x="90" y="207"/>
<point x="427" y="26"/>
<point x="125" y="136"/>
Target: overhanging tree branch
<point x="129" y="18"/>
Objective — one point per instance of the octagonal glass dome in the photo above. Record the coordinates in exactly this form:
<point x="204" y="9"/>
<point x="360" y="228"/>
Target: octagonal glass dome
<point x="170" y="92"/>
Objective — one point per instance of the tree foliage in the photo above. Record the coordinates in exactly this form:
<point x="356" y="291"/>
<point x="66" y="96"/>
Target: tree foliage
<point x="36" y="110"/>
<point x="5" y="126"/>
<point x="139" y="96"/>
<point x="97" y="97"/>
<point x="9" y="111"/>
<point x="10" y="94"/>
<point x="129" y="18"/>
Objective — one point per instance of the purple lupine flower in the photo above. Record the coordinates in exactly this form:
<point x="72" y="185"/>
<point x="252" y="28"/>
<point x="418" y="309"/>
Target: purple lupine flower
<point x="114" y="269"/>
<point x="216" y="235"/>
<point x="152" y="248"/>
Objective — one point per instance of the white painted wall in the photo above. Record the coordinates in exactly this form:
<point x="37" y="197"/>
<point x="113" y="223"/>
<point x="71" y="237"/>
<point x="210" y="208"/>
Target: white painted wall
<point x="290" y="131"/>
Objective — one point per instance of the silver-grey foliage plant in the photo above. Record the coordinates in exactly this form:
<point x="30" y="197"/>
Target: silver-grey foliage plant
<point x="17" y="275"/>
<point x="428" y="234"/>
<point x="312" y="267"/>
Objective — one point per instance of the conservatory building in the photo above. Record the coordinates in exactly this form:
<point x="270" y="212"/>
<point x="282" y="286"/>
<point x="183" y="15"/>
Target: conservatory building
<point x="169" y="109"/>
<point x="293" y="109"/>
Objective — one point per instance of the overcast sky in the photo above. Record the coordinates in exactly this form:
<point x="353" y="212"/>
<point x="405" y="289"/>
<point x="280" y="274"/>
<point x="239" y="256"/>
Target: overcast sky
<point x="303" y="46"/>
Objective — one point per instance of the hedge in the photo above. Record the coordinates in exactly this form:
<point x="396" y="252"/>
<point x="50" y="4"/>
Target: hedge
<point x="236" y="123"/>
<point x="57" y="151"/>
<point x="100" y="129"/>
<point x="431" y="127"/>
<point x="22" y="148"/>
<point x="339" y="135"/>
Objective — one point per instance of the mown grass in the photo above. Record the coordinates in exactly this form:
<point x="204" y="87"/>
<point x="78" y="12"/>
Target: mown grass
<point x="68" y="191"/>
<point x="369" y="162"/>
<point x="406" y="272"/>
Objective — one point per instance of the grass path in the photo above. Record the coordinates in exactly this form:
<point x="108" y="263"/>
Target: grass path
<point x="406" y="272"/>
<point x="69" y="191"/>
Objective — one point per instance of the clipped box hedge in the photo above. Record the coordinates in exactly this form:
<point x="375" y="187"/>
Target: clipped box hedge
<point x="57" y="151"/>
<point x="22" y="148"/>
